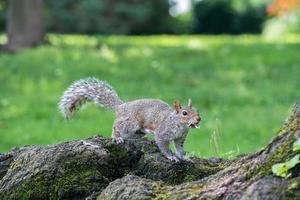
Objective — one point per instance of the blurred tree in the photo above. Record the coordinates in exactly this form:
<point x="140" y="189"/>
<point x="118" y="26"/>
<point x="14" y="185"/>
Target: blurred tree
<point x="248" y="20"/>
<point x="212" y="17"/>
<point x="285" y="18"/>
<point x="226" y="17"/>
<point x="24" y="26"/>
<point x="108" y="16"/>
<point x="3" y="5"/>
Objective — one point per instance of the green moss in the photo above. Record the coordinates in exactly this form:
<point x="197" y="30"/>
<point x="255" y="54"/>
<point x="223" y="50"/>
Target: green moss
<point x="36" y="188"/>
<point x="161" y="191"/>
<point x="292" y="190"/>
<point x="101" y="197"/>
<point x="293" y="185"/>
<point x="79" y="182"/>
<point x="122" y="160"/>
<point x="283" y="152"/>
<point x="117" y="151"/>
<point x="73" y="178"/>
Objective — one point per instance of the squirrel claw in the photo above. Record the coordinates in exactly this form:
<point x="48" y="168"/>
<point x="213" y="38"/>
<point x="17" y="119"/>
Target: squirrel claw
<point x="187" y="159"/>
<point x="118" y="140"/>
<point x="173" y="158"/>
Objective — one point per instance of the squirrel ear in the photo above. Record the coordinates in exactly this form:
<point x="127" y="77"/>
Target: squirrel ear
<point x="177" y="106"/>
<point x="190" y="103"/>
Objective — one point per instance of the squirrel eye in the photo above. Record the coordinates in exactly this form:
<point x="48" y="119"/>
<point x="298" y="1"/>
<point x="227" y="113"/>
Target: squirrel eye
<point x="184" y="112"/>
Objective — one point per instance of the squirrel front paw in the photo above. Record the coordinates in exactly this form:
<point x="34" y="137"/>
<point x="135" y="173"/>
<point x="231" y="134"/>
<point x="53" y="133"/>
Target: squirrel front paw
<point x="118" y="140"/>
<point x="173" y="158"/>
<point x="188" y="159"/>
<point x="184" y="158"/>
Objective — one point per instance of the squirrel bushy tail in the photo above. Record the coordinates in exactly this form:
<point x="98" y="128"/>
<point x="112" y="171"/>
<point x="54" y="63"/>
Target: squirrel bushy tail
<point x="84" y="90"/>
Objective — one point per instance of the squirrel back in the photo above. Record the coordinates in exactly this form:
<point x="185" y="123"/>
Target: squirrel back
<point x="148" y="113"/>
<point x="84" y="90"/>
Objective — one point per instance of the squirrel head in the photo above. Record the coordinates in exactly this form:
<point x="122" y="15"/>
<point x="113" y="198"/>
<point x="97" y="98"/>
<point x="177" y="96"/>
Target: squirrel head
<point x="188" y="115"/>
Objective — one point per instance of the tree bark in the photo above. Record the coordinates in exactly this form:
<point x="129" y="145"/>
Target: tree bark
<point x="24" y="27"/>
<point x="96" y="168"/>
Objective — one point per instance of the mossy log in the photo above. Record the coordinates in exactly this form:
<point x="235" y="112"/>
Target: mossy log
<point x="96" y="168"/>
<point x="78" y="169"/>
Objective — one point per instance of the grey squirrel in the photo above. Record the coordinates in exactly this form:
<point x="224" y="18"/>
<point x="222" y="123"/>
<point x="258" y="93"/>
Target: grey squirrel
<point x="135" y="118"/>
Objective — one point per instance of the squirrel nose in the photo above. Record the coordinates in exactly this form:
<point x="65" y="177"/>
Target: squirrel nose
<point x="198" y="118"/>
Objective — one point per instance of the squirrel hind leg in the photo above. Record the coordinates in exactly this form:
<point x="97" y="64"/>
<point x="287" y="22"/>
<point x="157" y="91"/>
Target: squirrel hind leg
<point x="125" y="130"/>
<point x="127" y="135"/>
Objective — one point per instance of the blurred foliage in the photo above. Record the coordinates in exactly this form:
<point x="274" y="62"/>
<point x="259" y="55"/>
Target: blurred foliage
<point x="285" y="18"/>
<point x="108" y="16"/>
<point x="249" y="20"/>
<point x="281" y="7"/>
<point x="279" y="26"/>
<point x="150" y="17"/>
<point x="228" y="16"/>
<point x="242" y="85"/>
<point x="213" y="16"/>
<point x="3" y="7"/>
<point x="181" y="24"/>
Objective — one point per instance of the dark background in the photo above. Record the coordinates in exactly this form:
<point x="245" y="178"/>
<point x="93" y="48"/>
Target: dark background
<point x="150" y="17"/>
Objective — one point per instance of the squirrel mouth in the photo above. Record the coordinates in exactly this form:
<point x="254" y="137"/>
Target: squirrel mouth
<point x="195" y="125"/>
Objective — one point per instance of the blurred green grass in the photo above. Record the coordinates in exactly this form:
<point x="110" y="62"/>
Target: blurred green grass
<point x="242" y="85"/>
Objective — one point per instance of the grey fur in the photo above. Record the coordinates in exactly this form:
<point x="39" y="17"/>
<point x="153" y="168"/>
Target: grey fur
<point x="136" y="118"/>
<point x="84" y="90"/>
